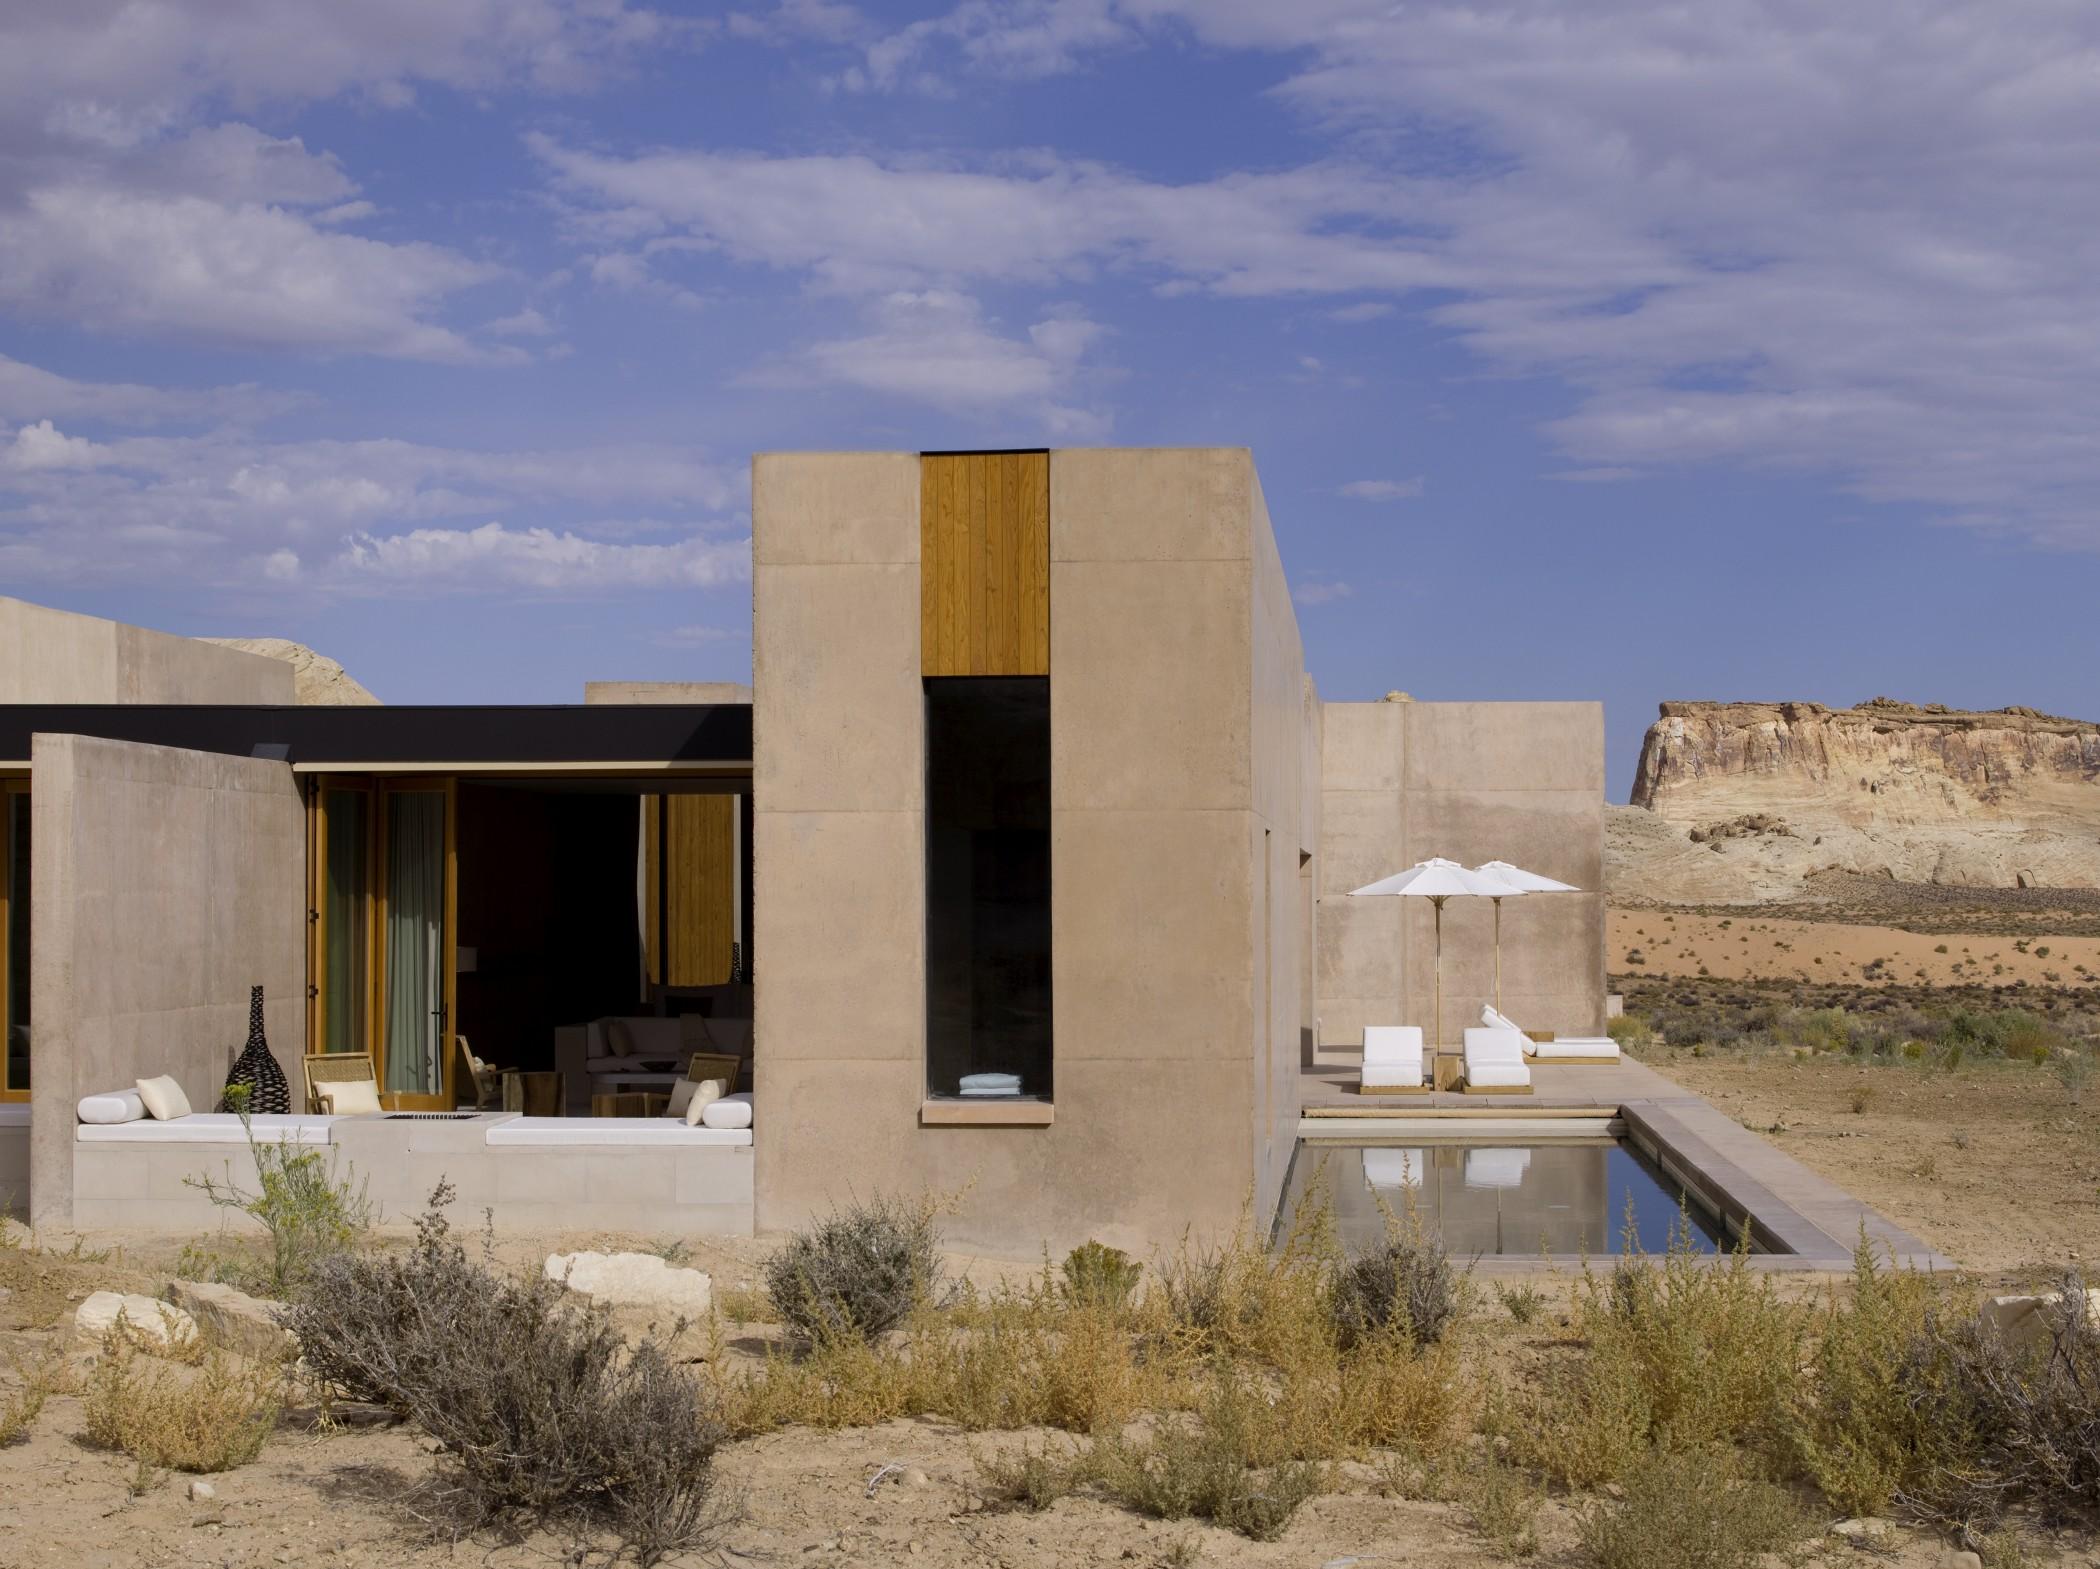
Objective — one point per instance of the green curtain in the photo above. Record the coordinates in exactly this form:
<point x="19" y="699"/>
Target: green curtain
<point x="415" y="929"/>
<point x="14" y="858"/>
<point x="344" y="1027"/>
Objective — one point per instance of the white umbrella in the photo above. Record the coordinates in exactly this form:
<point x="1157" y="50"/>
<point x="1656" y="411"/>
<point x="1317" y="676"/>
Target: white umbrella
<point x="1436" y="880"/>
<point x="1518" y="881"/>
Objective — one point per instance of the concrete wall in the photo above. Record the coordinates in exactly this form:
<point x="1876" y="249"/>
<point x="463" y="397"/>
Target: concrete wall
<point x="54" y="656"/>
<point x="1177" y="707"/>
<point x="1521" y="782"/>
<point x="630" y="692"/>
<point x="167" y="883"/>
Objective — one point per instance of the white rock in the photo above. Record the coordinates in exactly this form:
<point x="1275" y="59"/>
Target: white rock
<point x="150" y="1321"/>
<point x="202" y="1492"/>
<point x="2025" y="1321"/>
<point x="632" y="1280"/>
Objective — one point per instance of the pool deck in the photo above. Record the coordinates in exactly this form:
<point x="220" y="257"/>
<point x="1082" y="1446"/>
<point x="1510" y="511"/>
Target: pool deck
<point x="1809" y="1221"/>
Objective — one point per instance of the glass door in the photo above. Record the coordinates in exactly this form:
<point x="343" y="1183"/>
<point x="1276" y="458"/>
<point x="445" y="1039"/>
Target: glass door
<point x="14" y="939"/>
<point x="382" y="957"/>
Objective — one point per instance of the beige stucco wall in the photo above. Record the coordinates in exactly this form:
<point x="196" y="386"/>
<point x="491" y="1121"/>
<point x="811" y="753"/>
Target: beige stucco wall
<point x="55" y="656"/>
<point x="1521" y="782"/>
<point x="1177" y="703"/>
<point x="632" y="692"/>
<point x="167" y="883"/>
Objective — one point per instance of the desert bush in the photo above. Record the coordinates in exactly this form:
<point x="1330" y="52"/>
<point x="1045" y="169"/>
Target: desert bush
<point x="543" y="1416"/>
<point x="1405" y="1283"/>
<point x="1683" y="1351"/>
<point x="307" y="1212"/>
<point x="1502" y="1503"/>
<point x="1099" y="1276"/>
<point x="1689" y="1509"/>
<point x="1631" y="1031"/>
<point x="210" y="1417"/>
<point x="1524" y="1303"/>
<point x="1032" y="1477"/>
<point x="36" y="1384"/>
<point x="862" y="1270"/>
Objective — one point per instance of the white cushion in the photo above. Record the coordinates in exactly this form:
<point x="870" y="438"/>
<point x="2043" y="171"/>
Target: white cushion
<point x="1498" y="1021"/>
<point x="1484" y="1045"/>
<point x="613" y="1131"/>
<point x="1392" y="1055"/>
<point x="350" y="1097"/>
<point x="731" y="1111"/>
<point x="115" y="1106"/>
<point x="1576" y="1046"/>
<point x="207" y="1127"/>
<point x="163" y="1099"/>
<point x="682" y="1096"/>
<point x="704" y="1094"/>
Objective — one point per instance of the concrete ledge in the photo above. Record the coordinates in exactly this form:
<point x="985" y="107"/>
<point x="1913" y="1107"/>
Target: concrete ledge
<point x="615" y="1133"/>
<point x="986" y="1114"/>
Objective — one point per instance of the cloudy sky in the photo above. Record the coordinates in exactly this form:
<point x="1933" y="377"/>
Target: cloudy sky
<point x="1623" y="350"/>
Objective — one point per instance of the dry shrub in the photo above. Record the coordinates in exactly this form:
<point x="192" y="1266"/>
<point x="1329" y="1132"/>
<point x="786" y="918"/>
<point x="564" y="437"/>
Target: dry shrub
<point x="1682" y="1351"/>
<point x="1502" y="1503"/>
<point x="1100" y="1276"/>
<point x="544" y="1417"/>
<point x="20" y="1409"/>
<point x="1689" y="1509"/>
<point x="862" y="1270"/>
<point x="1405" y="1284"/>
<point x="210" y="1417"/>
<point x="1860" y="1432"/>
<point x="306" y="1210"/>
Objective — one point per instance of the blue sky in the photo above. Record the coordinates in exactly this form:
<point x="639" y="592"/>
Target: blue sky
<point x="1620" y="351"/>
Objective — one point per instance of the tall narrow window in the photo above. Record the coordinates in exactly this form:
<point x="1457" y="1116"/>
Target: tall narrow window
<point x="14" y="932"/>
<point x="988" y="1033"/>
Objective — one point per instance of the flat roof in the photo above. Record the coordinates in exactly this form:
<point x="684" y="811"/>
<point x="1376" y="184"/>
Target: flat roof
<point x="647" y="735"/>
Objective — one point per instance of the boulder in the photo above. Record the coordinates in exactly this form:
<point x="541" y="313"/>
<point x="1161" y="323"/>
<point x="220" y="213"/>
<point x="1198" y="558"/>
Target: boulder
<point x="2033" y="1321"/>
<point x="633" y="1280"/>
<point x="149" y="1321"/>
<point x="234" y="1321"/>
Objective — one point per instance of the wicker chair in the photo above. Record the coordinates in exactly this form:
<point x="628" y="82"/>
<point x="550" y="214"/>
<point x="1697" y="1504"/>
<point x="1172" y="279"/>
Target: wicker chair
<point x="336" y="1067"/>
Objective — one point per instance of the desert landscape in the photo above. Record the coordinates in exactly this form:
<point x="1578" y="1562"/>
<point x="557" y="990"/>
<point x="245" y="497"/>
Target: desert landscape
<point x="1799" y="931"/>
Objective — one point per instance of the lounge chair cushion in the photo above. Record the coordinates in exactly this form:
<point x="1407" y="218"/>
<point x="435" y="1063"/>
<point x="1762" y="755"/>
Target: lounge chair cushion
<point x="731" y="1111"/>
<point x="350" y="1097"/>
<point x="207" y="1127"/>
<point x="1495" y="1059"/>
<point x="163" y="1099"/>
<point x="1392" y="1054"/>
<point x="1582" y="1046"/>
<point x="115" y="1106"/>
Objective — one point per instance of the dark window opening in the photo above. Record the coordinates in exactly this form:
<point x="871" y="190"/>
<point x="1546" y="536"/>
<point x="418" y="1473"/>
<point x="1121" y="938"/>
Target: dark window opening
<point x="988" y="1027"/>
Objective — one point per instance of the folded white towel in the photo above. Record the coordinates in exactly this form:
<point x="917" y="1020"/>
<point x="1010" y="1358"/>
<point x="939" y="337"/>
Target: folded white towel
<point x="990" y="1094"/>
<point x="990" y="1082"/>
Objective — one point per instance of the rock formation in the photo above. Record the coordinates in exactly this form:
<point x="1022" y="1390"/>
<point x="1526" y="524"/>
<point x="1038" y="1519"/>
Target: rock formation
<point x="1739" y="801"/>
<point x="316" y="678"/>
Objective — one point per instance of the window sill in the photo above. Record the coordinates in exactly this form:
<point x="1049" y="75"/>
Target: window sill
<point x="985" y="1113"/>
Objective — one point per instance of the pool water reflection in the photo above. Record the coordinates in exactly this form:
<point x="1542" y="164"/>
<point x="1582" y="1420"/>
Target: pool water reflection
<point x="1502" y="1200"/>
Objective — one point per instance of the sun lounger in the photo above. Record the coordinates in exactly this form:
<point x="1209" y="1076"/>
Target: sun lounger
<point x="1495" y="1063"/>
<point x="1561" y="1048"/>
<point x="1392" y="1060"/>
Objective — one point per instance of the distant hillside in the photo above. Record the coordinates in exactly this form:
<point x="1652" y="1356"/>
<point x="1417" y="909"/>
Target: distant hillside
<point x="316" y="678"/>
<point x="1738" y="802"/>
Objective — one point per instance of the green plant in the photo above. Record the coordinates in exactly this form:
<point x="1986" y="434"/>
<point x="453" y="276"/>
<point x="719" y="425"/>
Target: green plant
<point x="543" y="1415"/>
<point x="20" y="1409"/>
<point x="213" y="1417"/>
<point x="1524" y="1302"/>
<point x="307" y="1212"/>
<point x="860" y="1271"/>
<point x="1689" y="1509"/>
<point x="1099" y="1276"/>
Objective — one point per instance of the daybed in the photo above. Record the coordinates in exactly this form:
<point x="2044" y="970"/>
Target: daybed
<point x="119" y="1117"/>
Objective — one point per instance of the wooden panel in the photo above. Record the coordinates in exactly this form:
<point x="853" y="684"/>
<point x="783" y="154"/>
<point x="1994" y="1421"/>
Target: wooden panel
<point x="984" y="570"/>
<point x="699" y="897"/>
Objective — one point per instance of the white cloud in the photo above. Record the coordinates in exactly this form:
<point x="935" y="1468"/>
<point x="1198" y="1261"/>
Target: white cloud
<point x="695" y="636"/>
<point x="526" y="323"/>
<point x="1857" y="240"/>
<point x="937" y="348"/>
<point x="494" y="557"/>
<point x="1370" y="310"/>
<point x="1382" y="489"/>
<point x="168" y="509"/>
<point x="1322" y="591"/>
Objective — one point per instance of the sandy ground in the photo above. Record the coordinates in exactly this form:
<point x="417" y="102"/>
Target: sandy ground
<point x="1992" y="1163"/>
<point x="1746" y="946"/>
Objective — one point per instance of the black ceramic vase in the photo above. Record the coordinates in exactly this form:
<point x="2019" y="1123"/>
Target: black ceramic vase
<point x="268" y="1093"/>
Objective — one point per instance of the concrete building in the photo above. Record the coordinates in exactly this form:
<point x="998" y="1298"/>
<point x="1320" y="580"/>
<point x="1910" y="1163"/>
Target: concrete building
<point x="1026" y="856"/>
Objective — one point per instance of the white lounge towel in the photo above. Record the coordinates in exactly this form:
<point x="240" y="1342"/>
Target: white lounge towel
<point x="990" y="1083"/>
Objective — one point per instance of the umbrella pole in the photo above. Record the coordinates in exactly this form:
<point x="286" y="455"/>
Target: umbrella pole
<point x="1439" y="1048"/>
<point x="1498" y="955"/>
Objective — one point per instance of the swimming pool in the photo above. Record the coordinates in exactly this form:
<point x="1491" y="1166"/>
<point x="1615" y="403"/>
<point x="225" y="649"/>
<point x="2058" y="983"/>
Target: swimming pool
<point x="1503" y="1200"/>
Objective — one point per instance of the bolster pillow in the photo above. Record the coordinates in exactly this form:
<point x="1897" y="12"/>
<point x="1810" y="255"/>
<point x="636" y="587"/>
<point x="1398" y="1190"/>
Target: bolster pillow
<point x="113" y="1106"/>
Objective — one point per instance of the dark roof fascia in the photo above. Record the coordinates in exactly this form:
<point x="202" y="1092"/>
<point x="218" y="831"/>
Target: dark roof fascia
<point x="694" y="734"/>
